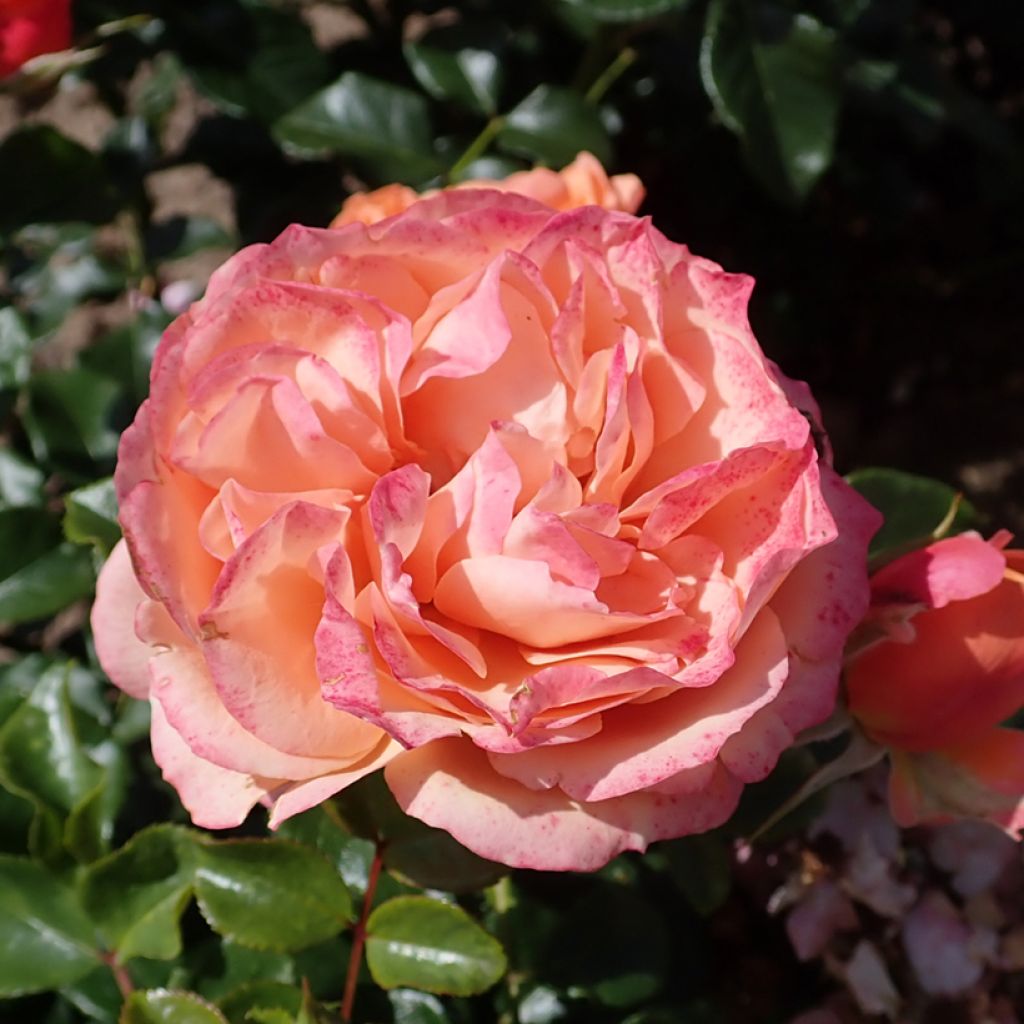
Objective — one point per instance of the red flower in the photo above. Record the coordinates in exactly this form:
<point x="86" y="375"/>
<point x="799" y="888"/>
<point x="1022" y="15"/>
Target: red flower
<point x="31" y="27"/>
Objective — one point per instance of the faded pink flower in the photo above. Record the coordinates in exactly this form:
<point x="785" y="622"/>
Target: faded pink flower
<point x="504" y="496"/>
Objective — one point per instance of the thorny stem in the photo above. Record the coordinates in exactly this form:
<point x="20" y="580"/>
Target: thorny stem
<point x="359" y="936"/>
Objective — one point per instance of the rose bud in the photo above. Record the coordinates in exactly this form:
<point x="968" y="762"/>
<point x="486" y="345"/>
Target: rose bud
<point x="947" y="672"/>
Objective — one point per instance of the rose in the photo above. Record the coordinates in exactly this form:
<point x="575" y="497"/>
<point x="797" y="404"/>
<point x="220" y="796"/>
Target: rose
<point x="515" y="486"/>
<point x="582" y="183"/>
<point x="29" y="28"/>
<point x="948" y="670"/>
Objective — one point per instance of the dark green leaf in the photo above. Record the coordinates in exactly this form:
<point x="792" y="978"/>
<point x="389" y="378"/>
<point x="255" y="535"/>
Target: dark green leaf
<point x="44" y="176"/>
<point x="701" y="867"/>
<point x="180" y="237"/>
<point x="90" y="825"/>
<point x="25" y="535"/>
<point x="238" y="1005"/>
<point x="613" y="944"/>
<point x="269" y="893"/>
<point x="136" y="895"/>
<point x="90" y="515"/>
<point x="364" y="117"/>
<point x="159" y="1006"/>
<point x="21" y="482"/>
<point x="432" y="859"/>
<point x="913" y="506"/>
<point x="15" y="347"/>
<point x="417" y="942"/>
<point x="459" y="63"/>
<point x="69" y="414"/>
<point x="45" y="938"/>
<point x="48" y="584"/>
<point x="552" y="125"/>
<point x="626" y="10"/>
<point x="96" y="995"/>
<point x="41" y="754"/>
<point x="774" y="79"/>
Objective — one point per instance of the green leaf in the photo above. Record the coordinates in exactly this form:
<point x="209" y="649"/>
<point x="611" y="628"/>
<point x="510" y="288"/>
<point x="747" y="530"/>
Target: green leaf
<point x="412" y="1007"/>
<point x="364" y="117"/>
<point x="552" y="125"/>
<point x="137" y="894"/>
<point x="160" y="1006"/>
<point x="15" y="348"/>
<point x="90" y="515"/>
<point x="44" y="176"/>
<point x="238" y="1005"/>
<point x="417" y="942"/>
<point x="431" y="859"/>
<point x="626" y="10"/>
<point x="269" y="893"/>
<point x="90" y="825"/>
<point x="40" y="751"/>
<point x="701" y="867"/>
<point x="45" y="938"/>
<point x="914" y="507"/>
<point x="69" y="415"/>
<point x="21" y="482"/>
<point x="46" y="585"/>
<point x="613" y="944"/>
<point x="180" y="237"/>
<point x="461" y="64"/>
<point x="25" y="535"/>
<point x="774" y="78"/>
<point x="126" y="354"/>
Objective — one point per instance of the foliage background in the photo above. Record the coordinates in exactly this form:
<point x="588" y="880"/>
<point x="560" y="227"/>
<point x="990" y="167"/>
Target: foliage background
<point x="861" y="158"/>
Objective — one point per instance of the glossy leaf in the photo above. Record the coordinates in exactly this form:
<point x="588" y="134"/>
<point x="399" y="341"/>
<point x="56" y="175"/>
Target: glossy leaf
<point x="364" y="117"/>
<point x="66" y="181"/>
<point x="15" y="346"/>
<point x="269" y="893"/>
<point x="412" y="1007"/>
<point x="21" y="482"/>
<point x="44" y="586"/>
<point x="69" y="415"/>
<point x="238" y="1004"/>
<point x="417" y="942"/>
<point x="41" y="754"/>
<point x="90" y="515"/>
<point x="552" y="125"/>
<point x="914" y="507"/>
<point x="626" y="10"/>
<point x="45" y="938"/>
<point x="159" y="1006"/>
<point x="774" y="79"/>
<point x="137" y="894"/>
<point x="459" y="64"/>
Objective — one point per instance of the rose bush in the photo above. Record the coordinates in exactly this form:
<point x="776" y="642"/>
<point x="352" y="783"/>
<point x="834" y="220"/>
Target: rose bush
<point x="584" y="182"/>
<point x="947" y="672"/>
<point x="29" y="28"/>
<point x="505" y="497"/>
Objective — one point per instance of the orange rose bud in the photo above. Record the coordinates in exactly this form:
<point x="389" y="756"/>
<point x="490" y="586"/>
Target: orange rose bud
<point x="582" y="183"/>
<point x="948" y="672"/>
<point x="29" y="28"/>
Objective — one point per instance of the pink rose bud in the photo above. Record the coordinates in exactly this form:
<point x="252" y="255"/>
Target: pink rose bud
<point x="29" y="28"/>
<point x="936" y="689"/>
<point x="504" y="497"/>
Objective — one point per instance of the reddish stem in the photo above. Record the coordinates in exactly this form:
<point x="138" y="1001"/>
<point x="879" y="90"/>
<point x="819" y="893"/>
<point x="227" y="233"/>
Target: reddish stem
<point x="359" y="936"/>
<point x="120" y="973"/>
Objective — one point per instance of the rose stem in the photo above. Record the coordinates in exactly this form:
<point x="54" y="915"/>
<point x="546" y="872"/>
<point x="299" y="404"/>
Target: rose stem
<point x="120" y="973"/>
<point x="359" y="936"/>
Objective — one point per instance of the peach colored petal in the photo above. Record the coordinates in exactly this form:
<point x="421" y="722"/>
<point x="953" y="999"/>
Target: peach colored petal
<point x="449" y="784"/>
<point x="643" y="744"/>
<point x="214" y="797"/>
<point x="263" y="664"/>
<point x="123" y="656"/>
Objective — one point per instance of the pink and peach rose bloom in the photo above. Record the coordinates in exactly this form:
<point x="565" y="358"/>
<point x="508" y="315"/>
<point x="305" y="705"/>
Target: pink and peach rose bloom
<point x="504" y="498"/>
<point x="945" y="674"/>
